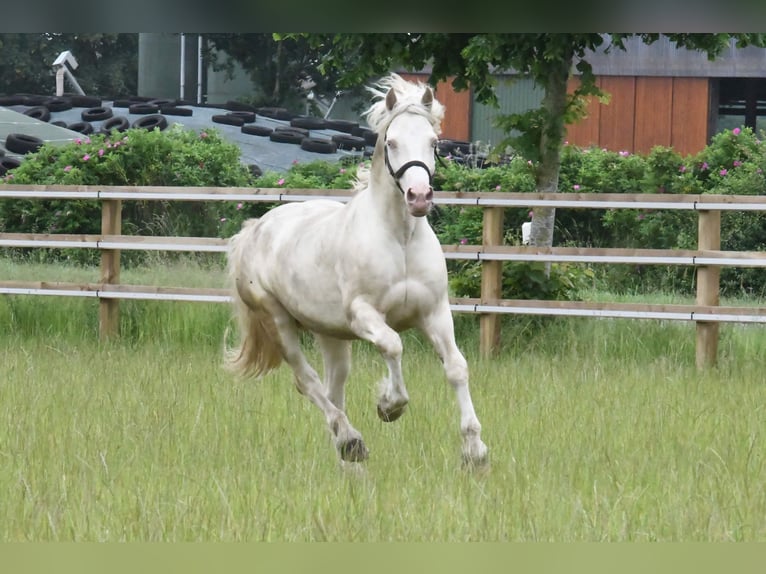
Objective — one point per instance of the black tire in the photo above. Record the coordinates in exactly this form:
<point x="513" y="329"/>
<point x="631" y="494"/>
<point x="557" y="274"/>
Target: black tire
<point x="302" y="131"/>
<point x="79" y="101"/>
<point x="122" y="103"/>
<point x="160" y="102"/>
<point x="141" y="99"/>
<point x="257" y="130"/>
<point x="56" y="104"/>
<point x="7" y="164"/>
<point x="34" y="100"/>
<point x="2" y="152"/>
<point x="284" y="136"/>
<point x="84" y="128"/>
<point x="318" y="145"/>
<point x="39" y="113"/>
<point x="342" y="125"/>
<point x="349" y="142"/>
<point x="308" y="122"/>
<point x="96" y="114"/>
<point x="58" y="123"/>
<point x="447" y="146"/>
<point x="247" y="117"/>
<point x="370" y="138"/>
<point x="143" y="108"/>
<point x="234" y="106"/>
<point x="22" y="143"/>
<point x="275" y="113"/>
<point x="175" y="111"/>
<point x="119" y="123"/>
<point x="255" y="170"/>
<point x="228" y="120"/>
<point x="151" y="122"/>
<point x="12" y="100"/>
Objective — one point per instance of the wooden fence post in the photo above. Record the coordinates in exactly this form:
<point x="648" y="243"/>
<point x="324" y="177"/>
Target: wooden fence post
<point x="109" y="309"/>
<point x="708" y="284"/>
<point x="491" y="281"/>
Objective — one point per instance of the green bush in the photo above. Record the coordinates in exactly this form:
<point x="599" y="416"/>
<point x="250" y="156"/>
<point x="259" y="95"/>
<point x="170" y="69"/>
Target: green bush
<point x="309" y="175"/>
<point x="174" y="157"/>
<point x="733" y="163"/>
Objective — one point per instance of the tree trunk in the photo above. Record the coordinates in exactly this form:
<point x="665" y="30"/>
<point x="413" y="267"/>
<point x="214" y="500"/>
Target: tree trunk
<point x="277" y="74"/>
<point x="551" y="140"/>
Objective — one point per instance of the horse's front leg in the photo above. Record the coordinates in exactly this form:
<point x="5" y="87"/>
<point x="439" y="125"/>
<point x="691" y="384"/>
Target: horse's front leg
<point x="367" y="323"/>
<point x="439" y="328"/>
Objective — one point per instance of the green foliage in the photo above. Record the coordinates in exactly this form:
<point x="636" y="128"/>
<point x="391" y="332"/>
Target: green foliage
<point x="277" y="66"/>
<point x="463" y="225"/>
<point x="733" y="163"/>
<point x="108" y="63"/>
<point x="174" y="157"/>
<point x="310" y="175"/>
<point x="614" y="435"/>
<point x="471" y="60"/>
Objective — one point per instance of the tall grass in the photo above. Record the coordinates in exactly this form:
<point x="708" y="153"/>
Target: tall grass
<point x="598" y="430"/>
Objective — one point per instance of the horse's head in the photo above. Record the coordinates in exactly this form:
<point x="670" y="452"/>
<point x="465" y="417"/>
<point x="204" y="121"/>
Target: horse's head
<point x="407" y="120"/>
<point x="409" y="150"/>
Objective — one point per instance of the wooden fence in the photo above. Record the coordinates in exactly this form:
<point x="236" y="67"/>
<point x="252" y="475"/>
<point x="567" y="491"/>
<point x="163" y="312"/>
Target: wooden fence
<point x="708" y="259"/>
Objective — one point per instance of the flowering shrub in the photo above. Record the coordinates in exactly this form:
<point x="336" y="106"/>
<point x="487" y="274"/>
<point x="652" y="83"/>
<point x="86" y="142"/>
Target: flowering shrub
<point x="733" y="163"/>
<point x="175" y="157"/>
<point x="310" y="175"/>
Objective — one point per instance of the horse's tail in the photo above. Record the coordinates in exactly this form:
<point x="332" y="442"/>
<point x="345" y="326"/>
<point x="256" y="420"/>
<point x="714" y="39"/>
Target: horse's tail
<point x="259" y="351"/>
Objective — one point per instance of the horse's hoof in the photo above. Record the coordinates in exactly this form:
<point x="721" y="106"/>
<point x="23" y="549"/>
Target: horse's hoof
<point x="476" y="462"/>
<point x="393" y="414"/>
<point x="354" y="451"/>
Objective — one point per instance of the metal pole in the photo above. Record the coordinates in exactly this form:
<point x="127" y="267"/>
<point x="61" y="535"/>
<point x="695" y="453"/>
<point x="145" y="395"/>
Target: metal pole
<point x="183" y="66"/>
<point x="199" y="69"/>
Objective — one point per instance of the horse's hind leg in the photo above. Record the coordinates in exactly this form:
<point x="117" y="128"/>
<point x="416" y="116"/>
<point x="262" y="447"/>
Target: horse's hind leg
<point x="336" y="354"/>
<point x="439" y="329"/>
<point x="348" y="440"/>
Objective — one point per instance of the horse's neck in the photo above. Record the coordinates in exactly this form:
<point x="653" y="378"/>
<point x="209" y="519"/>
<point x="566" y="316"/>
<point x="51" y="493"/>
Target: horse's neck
<point x="386" y="203"/>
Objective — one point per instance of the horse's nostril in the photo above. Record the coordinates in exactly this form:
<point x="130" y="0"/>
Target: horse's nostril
<point x="430" y="194"/>
<point x="410" y="195"/>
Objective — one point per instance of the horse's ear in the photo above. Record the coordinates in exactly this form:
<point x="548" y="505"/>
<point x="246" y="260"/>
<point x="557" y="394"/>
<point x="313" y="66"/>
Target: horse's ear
<point x="428" y="97"/>
<point x="390" y="99"/>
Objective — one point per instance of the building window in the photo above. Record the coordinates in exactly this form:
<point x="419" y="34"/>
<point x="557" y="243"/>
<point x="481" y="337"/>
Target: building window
<point x="741" y="102"/>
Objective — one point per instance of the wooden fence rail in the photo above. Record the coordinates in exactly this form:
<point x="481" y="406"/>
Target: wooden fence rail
<point x="708" y="259"/>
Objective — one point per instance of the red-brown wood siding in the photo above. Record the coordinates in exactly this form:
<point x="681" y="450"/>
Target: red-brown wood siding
<point x="585" y="133"/>
<point x="654" y="113"/>
<point x="615" y="128"/>
<point x="644" y="112"/>
<point x="456" y="124"/>
<point x="690" y="114"/>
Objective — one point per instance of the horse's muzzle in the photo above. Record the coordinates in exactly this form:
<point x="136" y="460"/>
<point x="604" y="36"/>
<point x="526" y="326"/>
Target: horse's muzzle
<point x="419" y="202"/>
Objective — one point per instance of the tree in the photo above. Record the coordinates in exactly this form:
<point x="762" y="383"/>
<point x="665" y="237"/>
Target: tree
<point x="278" y="70"/>
<point x="472" y="59"/>
<point x="108" y="63"/>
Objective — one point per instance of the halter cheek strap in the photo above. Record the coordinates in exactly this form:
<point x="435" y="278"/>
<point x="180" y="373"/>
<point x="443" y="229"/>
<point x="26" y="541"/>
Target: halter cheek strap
<point x="400" y="172"/>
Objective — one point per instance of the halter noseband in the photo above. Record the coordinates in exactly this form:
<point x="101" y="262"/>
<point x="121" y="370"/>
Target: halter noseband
<point x="400" y="172"/>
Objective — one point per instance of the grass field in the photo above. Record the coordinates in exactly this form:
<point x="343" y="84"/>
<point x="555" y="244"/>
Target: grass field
<point x="597" y="429"/>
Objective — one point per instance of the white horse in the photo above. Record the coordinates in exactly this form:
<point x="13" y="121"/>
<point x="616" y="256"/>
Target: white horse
<point x="367" y="269"/>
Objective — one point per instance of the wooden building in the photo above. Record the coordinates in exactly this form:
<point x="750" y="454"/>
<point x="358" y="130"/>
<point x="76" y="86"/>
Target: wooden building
<point x="659" y="96"/>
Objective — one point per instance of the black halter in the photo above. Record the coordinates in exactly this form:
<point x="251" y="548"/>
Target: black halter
<point x="400" y="172"/>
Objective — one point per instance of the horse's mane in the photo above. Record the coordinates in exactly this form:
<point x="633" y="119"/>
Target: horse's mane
<point x="408" y="96"/>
